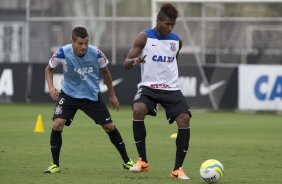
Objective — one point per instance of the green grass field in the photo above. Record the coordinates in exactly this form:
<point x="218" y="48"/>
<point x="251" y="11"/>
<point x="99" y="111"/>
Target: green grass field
<point x="248" y="145"/>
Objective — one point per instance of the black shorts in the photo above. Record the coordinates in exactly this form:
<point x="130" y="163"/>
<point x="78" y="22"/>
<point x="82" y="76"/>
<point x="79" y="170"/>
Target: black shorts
<point x="173" y="102"/>
<point x="67" y="106"/>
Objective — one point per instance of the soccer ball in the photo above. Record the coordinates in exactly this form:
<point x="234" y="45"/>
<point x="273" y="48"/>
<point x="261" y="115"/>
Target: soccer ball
<point x="211" y="171"/>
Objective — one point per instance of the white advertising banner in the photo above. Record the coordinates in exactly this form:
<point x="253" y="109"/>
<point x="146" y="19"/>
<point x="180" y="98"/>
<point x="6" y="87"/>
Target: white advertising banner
<point x="260" y="87"/>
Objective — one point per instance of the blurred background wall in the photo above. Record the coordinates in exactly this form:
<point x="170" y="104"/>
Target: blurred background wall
<point x="231" y="55"/>
<point x="212" y="32"/>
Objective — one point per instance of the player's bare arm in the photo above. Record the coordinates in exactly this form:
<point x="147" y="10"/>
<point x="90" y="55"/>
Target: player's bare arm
<point x="54" y="93"/>
<point x="180" y="46"/>
<point x="113" y="100"/>
<point x="133" y="56"/>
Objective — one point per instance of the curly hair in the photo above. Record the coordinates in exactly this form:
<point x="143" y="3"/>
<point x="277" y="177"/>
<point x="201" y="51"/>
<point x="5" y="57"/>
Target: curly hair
<point x="79" y="32"/>
<point x="167" y="11"/>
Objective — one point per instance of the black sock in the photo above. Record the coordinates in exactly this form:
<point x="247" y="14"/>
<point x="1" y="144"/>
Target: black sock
<point x="139" y="132"/>
<point x="182" y="144"/>
<point x="116" y="139"/>
<point x="56" y="144"/>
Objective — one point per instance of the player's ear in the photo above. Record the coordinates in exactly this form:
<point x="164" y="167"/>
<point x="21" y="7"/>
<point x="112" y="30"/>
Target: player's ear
<point x="158" y="21"/>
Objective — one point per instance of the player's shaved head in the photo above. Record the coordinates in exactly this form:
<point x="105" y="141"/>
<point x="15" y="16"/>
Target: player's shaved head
<point x="167" y="11"/>
<point x="79" y="32"/>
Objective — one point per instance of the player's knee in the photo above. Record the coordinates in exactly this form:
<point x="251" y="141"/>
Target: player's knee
<point x="138" y="115"/>
<point x="58" y="124"/>
<point x="108" y="127"/>
<point x="139" y="111"/>
<point x="183" y="120"/>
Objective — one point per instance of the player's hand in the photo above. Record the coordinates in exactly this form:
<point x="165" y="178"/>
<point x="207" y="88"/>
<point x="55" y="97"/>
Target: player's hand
<point x="54" y="93"/>
<point x="114" y="103"/>
<point x="139" y="60"/>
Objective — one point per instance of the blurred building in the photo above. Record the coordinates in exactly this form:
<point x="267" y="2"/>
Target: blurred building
<point x="212" y="33"/>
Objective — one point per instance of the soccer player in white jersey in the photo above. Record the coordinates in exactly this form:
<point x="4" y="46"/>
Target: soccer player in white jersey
<point x="82" y="64"/>
<point x="156" y="50"/>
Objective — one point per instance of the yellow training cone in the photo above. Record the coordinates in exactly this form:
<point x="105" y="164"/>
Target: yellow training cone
<point x="39" y="125"/>
<point x="173" y="136"/>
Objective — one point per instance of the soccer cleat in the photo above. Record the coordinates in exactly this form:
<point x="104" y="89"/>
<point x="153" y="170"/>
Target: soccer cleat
<point x="52" y="169"/>
<point x="140" y="166"/>
<point x="128" y="164"/>
<point x="179" y="174"/>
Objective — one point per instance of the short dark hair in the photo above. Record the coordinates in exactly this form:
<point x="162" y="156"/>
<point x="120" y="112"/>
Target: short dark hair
<point x="167" y="11"/>
<point x="79" y="32"/>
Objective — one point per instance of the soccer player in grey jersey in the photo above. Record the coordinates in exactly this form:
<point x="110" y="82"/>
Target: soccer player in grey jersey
<point x="82" y="64"/>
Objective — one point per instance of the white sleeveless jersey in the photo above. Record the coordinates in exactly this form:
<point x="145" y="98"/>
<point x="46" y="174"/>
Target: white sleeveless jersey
<point x="160" y="71"/>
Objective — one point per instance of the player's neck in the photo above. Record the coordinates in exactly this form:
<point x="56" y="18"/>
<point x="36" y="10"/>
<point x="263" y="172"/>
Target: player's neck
<point x="157" y="32"/>
<point x="79" y="55"/>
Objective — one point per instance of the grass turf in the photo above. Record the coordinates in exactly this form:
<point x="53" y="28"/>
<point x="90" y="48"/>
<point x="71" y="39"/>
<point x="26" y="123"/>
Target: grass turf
<point x="249" y="145"/>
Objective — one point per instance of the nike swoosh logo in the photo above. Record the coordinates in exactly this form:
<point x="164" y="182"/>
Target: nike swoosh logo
<point x="103" y="86"/>
<point x="107" y="119"/>
<point x="204" y="90"/>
